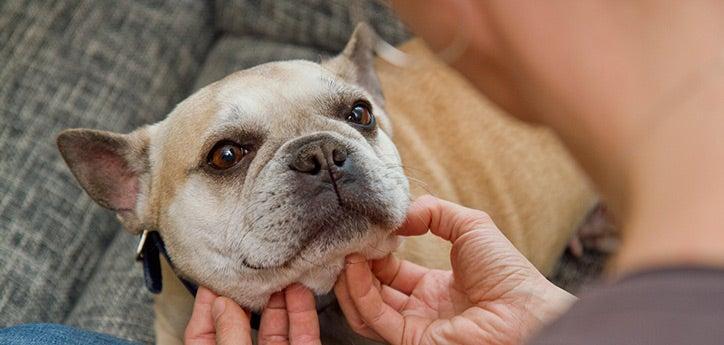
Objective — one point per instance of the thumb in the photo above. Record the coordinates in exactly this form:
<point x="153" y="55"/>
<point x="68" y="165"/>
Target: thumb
<point x="231" y="323"/>
<point x="445" y="219"/>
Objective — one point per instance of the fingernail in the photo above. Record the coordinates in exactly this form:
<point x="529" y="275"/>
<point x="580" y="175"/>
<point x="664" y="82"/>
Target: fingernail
<point x="218" y="307"/>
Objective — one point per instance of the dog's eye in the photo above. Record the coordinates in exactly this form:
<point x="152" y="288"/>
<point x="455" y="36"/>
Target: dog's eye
<point x="361" y="114"/>
<point x="225" y="155"/>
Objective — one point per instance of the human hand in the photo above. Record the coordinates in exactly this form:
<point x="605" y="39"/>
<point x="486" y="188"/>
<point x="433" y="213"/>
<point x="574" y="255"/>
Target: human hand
<point x="290" y="317"/>
<point x="493" y="295"/>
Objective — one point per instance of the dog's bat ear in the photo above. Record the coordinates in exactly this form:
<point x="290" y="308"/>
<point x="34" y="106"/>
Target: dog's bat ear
<point x="356" y="62"/>
<point x="109" y="167"/>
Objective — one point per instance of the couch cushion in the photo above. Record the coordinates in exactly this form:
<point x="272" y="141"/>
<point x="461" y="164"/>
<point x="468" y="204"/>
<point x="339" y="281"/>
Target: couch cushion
<point x="109" y="65"/>
<point x="322" y="24"/>
<point x="231" y="54"/>
<point x="114" y="300"/>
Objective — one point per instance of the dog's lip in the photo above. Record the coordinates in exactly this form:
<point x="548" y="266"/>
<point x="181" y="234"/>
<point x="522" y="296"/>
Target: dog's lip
<point x="285" y="264"/>
<point x="254" y="267"/>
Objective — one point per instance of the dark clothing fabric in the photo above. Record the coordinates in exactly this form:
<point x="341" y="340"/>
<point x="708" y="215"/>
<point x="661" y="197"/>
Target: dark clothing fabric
<point x="665" y="306"/>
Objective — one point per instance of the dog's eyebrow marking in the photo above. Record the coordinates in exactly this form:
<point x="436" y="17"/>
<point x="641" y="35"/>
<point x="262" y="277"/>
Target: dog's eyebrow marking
<point x="338" y="102"/>
<point x="339" y="97"/>
<point x="234" y="116"/>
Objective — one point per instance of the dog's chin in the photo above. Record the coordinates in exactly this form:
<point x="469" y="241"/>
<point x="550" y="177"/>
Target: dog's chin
<point x="320" y="278"/>
<point x="317" y="273"/>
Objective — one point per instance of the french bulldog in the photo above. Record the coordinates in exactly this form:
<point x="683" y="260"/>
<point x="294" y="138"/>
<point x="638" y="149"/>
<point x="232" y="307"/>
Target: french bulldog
<point x="272" y="175"/>
<point x="267" y="177"/>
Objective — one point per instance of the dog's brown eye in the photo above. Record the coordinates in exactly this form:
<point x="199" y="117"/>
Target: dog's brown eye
<point x="225" y="155"/>
<point x="361" y="114"/>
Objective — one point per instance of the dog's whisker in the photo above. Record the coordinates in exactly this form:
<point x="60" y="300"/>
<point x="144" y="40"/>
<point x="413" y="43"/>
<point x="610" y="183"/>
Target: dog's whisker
<point x="408" y="168"/>
<point x="424" y="186"/>
<point x="317" y="265"/>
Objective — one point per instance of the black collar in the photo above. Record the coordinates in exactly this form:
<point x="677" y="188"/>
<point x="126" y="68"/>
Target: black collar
<point x="148" y="252"/>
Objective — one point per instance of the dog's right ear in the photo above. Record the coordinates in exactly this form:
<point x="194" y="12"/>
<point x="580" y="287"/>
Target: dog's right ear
<point x="356" y="62"/>
<point x="110" y="167"/>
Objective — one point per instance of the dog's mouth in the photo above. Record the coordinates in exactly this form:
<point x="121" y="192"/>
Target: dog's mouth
<point x="246" y="264"/>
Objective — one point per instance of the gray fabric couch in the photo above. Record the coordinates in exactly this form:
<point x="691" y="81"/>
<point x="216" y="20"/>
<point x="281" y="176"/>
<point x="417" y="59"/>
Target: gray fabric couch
<point x="117" y="65"/>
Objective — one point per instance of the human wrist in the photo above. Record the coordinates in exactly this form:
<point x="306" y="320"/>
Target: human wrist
<point x="556" y="302"/>
<point x="549" y="302"/>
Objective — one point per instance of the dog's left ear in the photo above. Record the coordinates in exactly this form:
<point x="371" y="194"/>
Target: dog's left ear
<point x="356" y="62"/>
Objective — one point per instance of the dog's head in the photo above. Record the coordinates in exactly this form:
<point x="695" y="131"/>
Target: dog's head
<point x="267" y="177"/>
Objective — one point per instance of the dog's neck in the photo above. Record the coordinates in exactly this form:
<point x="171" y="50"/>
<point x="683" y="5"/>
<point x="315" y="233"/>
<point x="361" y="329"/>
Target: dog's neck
<point x="150" y="250"/>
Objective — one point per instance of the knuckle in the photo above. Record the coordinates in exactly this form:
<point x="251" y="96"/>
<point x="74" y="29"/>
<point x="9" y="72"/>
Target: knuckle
<point x="427" y="199"/>
<point x="273" y="339"/>
<point x="359" y="328"/>
<point x="189" y="337"/>
<point x="226" y="326"/>
<point x="376" y="316"/>
<point x="482" y="217"/>
<point x="306" y="339"/>
<point x="474" y="219"/>
<point x="430" y="203"/>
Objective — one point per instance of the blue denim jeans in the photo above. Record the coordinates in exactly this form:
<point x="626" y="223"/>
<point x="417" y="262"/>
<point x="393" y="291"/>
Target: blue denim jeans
<point x="52" y="334"/>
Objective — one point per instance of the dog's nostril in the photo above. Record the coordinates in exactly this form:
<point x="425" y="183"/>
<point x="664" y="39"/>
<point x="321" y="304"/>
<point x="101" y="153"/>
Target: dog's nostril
<point x="316" y="166"/>
<point x="308" y="165"/>
<point x="339" y="156"/>
<point x="319" y="155"/>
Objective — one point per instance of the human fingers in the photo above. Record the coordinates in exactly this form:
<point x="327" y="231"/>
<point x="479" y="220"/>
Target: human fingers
<point x="378" y="315"/>
<point x="274" y="326"/>
<point x="443" y="218"/>
<point x="231" y="323"/>
<point x="399" y="274"/>
<point x="302" y="313"/>
<point x="349" y="310"/>
<point x="200" y="329"/>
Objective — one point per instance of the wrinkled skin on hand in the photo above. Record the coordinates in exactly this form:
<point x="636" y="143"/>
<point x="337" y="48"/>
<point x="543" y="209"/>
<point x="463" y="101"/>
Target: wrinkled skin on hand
<point x="493" y="295"/>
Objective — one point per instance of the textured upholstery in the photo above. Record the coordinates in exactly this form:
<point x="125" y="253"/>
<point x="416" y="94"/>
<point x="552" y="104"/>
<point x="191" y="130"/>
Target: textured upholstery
<point x="231" y="53"/>
<point x="321" y="24"/>
<point x="110" y="65"/>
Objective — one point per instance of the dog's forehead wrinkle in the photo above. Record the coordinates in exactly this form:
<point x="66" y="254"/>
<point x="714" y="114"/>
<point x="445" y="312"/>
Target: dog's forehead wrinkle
<point x="237" y="122"/>
<point x="290" y="83"/>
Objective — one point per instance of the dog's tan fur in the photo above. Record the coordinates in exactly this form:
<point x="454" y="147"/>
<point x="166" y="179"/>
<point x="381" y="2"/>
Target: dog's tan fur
<point x="191" y="120"/>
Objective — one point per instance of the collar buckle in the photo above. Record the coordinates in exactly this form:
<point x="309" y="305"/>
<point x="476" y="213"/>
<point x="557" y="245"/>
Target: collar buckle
<point x="141" y="244"/>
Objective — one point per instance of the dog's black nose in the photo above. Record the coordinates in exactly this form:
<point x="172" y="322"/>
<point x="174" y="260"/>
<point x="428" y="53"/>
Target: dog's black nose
<point x="320" y="155"/>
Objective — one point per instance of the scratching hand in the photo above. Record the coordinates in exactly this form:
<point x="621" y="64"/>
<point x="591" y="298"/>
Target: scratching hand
<point x="493" y="295"/>
<point x="290" y="317"/>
